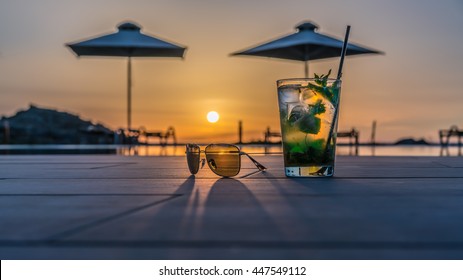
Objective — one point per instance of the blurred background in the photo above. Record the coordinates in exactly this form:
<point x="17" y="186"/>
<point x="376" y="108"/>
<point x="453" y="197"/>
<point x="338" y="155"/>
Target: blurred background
<point x="412" y="91"/>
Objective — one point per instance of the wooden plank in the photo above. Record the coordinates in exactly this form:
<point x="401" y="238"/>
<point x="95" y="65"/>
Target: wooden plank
<point x="151" y="207"/>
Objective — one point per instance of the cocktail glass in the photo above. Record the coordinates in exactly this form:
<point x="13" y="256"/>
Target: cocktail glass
<point x="309" y="111"/>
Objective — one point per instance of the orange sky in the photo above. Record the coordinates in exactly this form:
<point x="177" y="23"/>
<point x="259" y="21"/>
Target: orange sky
<point x="412" y="91"/>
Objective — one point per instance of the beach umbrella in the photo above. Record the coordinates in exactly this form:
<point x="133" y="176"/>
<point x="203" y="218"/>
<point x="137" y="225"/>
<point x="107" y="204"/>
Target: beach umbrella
<point x="129" y="42"/>
<point x="304" y="45"/>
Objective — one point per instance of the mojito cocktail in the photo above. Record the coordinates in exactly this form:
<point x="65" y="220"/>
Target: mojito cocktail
<point x="308" y="117"/>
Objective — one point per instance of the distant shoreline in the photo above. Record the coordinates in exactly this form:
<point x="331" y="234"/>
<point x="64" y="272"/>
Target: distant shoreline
<point x="262" y="144"/>
<point x="363" y="149"/>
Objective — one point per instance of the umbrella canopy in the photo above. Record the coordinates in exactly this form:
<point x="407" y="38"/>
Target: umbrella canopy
<point x="304" y="45"/>
<point x="127" y="42"/>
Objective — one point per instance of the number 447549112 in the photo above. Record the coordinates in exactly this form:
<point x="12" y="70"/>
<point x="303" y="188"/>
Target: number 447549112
<point x="272" y="270"/>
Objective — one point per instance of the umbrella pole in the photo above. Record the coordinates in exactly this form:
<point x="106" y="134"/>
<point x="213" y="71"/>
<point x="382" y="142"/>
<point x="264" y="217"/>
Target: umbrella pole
<point x="129" y="92"/>
<point x="306" y="68"/>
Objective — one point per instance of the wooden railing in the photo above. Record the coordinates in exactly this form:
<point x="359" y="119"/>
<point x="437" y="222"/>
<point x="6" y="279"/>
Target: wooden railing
<point x="446" y="134"/>
<point x="269" y="134"/>
<point x="142" y="136"/>
<point x="353" y="134"/>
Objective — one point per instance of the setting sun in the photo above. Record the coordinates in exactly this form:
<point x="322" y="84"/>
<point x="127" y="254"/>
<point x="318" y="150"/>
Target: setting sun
<point x="212" y="117"/>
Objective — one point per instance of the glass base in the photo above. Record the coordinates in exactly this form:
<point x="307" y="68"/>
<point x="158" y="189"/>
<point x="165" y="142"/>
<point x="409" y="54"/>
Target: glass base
<point x="310" y="171"/>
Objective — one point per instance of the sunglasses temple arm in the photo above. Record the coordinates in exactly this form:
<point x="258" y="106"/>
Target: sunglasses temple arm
<point x="258" y="165"/>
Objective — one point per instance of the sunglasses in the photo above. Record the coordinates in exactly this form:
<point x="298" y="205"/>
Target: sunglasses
<point x="223" y="159"/>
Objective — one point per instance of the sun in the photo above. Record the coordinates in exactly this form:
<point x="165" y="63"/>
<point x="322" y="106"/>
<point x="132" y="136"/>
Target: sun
<point x="212" y="116"/>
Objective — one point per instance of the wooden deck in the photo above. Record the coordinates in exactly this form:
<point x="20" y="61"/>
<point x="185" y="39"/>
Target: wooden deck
<point x="114" y="207"/>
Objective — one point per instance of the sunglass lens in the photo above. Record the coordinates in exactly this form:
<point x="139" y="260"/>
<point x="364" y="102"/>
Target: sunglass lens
<point x="223" y="159"/>
<point x="192" y="157"/>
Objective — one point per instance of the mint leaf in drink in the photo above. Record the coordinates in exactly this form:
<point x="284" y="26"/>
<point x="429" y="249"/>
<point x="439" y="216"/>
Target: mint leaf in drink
<point x="334" y="91"/>
<point x="322" y="79"/>
<point x="323" y="91"/>
<point x="320" y="86"/>
<point x="297" y="149"/>
<point x="309" y="124"/>
<point x="318" y="108"/>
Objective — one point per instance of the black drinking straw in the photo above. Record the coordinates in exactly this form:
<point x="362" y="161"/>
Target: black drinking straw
<point x="341" y="63"/>
<point x="343" y="52"/>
